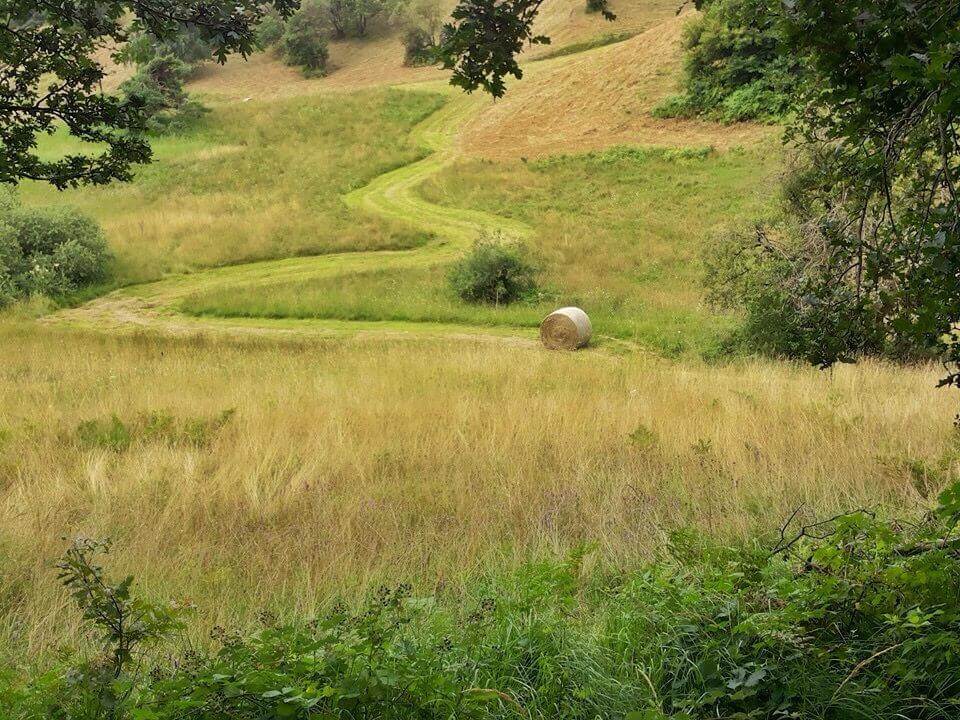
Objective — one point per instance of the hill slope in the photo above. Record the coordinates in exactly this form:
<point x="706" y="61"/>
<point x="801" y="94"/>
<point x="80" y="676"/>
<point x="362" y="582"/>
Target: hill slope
<point x="597" y="99"/>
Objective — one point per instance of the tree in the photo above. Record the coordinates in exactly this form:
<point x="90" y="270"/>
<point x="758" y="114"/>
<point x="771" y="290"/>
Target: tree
<point x="186" y="45"/>
<point x="882" y="110"/>
<point x="484" y="39"/>
<point x="867" y="260"/>
<point x="158" y="88"/>
<point x="351" y="17"/>
<point x="304" y="41"/>
<point x="44" y="39"/>
<point x="422" y="24"/>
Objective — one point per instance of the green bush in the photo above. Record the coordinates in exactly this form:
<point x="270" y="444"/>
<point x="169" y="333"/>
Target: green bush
<point x="595" y="6"/>
<point x="852" y="617"/>
<point x="495" y="271"/>
<point x="186" y="45"/>
<point x="795" y="277"/>
<point x="48" y="251"/>
<point x="748" y="270"/>
<point x="158" y="88"/>
<point x="418" y="48"/>
<point x="735" y="68"/>
<point x="270" y="30"/>
<point x="304" y="41"/>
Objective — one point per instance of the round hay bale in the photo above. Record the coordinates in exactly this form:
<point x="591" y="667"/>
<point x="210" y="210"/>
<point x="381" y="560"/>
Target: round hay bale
<point x="568" y="328"/>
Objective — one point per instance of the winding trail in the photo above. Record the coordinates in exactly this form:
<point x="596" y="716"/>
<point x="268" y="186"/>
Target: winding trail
<point x="156" y="305"/>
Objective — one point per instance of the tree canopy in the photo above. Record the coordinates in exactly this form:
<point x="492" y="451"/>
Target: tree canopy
<point x="49" y="75"/>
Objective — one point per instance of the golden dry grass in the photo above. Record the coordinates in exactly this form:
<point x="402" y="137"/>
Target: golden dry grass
<point x="598" y="99"/>
<point x="354" y="64"/>
<point x="355" y="461"/>
<point x="566" y="22"/>
<point x="377" y="60"/>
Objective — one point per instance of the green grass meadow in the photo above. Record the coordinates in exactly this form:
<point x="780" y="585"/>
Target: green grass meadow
<point x="255" y="181"/>
<point x="620" y="232"/>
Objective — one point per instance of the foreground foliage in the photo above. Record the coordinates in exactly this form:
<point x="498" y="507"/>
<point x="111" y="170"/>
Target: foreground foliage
<point x="853" y="616"/>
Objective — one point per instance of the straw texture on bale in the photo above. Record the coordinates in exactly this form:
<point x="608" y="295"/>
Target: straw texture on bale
<point x="568" y="328"/>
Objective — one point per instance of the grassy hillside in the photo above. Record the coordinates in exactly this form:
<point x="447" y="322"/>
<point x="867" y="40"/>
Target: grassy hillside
<point x="256" y="181"/>
<point x="285" y="405"/>
<point x="619" y="232"/>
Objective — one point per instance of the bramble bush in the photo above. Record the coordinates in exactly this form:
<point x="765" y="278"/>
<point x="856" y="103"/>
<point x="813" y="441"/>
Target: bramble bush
<point x="855" y="616"/>
<point x="496" y="270"/>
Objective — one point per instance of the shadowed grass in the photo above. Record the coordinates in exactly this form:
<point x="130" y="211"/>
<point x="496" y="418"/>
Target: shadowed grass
<point x="584" y="45"/>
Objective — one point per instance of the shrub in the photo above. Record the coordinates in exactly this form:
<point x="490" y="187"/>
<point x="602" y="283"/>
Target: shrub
<point x="270" y="30"/>
<point x="186" y="45"/>
<point x="304" y="41"/>
<point x="735" y="68"/>
<point x="49" y="251"/>
<point x="809" y="287"/>
<point x="158" y="88"/>
<point x="495" y="271"/>
<point x="418" y="48"/>
<point x="595" y="6"/>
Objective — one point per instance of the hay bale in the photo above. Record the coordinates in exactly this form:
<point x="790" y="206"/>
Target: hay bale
<point x="568" y="328"/>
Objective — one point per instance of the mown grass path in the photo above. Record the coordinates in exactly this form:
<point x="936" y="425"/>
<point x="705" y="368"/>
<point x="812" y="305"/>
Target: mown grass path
<point x="156" y="305"/>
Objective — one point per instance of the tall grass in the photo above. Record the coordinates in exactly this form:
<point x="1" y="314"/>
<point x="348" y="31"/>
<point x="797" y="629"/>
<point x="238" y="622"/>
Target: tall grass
<point x="255" y="181"/>
<point x="250" y="474"/>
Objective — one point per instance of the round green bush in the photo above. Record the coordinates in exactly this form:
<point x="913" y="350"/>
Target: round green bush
<point x="49" y="251"/>
<point x="496" y="271"/>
